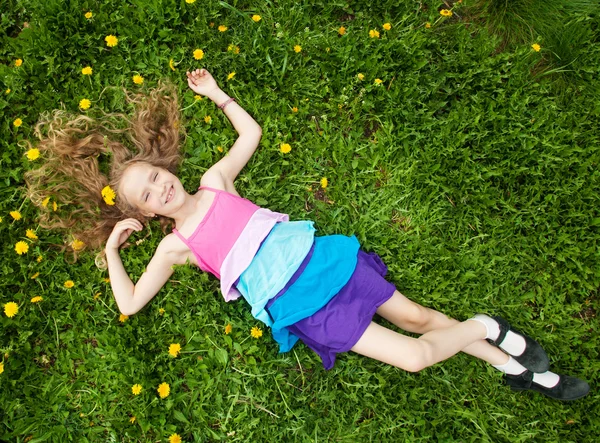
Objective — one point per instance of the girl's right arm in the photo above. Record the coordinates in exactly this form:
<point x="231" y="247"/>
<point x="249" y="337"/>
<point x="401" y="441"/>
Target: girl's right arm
<point x="131" y="298"/>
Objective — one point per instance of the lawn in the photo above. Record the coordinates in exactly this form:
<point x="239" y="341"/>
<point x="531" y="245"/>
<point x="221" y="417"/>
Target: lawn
<point x="462" y="150"/>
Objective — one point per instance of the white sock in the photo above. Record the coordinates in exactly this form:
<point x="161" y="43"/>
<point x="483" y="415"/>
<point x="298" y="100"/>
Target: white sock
<point x="547" y="379"/>
<point x="511" y="367"/>
<point x="493" y="329"/>
<point x="513" y="344"/>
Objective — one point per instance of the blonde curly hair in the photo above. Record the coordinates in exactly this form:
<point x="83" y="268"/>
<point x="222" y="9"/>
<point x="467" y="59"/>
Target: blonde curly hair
<point x="83" y="155"/>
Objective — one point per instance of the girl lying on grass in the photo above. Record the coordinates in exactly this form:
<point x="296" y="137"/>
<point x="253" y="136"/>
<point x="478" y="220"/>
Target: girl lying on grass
<point x="323" y="290"/>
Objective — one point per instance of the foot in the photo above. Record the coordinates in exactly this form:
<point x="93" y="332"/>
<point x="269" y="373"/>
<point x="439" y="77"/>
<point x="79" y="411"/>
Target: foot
<point x="568" y="388"/>
<point x="533" y="357"/>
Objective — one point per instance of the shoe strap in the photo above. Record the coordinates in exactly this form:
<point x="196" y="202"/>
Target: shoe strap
<point x="503" y="331"/>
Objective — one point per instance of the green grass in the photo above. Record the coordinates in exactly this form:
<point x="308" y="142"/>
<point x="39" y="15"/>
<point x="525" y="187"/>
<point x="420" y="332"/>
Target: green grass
<point x="468" y="174"/>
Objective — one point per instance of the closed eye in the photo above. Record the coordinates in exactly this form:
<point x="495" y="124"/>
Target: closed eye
<point x="154" y="179"/>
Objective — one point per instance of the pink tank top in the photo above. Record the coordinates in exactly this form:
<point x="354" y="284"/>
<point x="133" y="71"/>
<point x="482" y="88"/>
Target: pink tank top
<point x="220" y="228"/>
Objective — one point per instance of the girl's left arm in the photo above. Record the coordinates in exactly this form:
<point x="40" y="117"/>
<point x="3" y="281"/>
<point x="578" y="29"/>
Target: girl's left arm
<point x="248" y="130"/>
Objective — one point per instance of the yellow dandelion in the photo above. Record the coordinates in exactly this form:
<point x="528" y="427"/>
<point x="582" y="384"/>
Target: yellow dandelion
<point x="11" y="309"/>
<point x="190" y="1"/>
<point x="236" y="49"/>
<point x="324" y="182"/>
<point x="111" y="40"/>
<point x="33" y="154"/>
<point x="1" y="367"/>
<point x="54" y="206"/>
<point x="161" y="311"/>
<point x="536" y="47"/>
<point x="222" y="28"/>
<point x="360" y="76"/>
<point x="69" y="284"/>
<point x="34" y="276"/>
<point x="164" y="390"/>
<point x="89" y="15"/>
<point x="36" y="299"/>
<point x="374" y="33"/>
<point x="7" y="91"/>
<point x="136" y="389"/>
<point x="84" y="103"/>
<point x="228" y="329"/>
<point x="31" y="234"/>
<point x="285" y="148"/>
<point x="256" y="18"/>
<point x="220" y="148"/>
<point x="39" y="259"/>
<point x="172" y="65"/>
<point x="230" y="75"/>
<point x="294" y="109"/>
<point x="106" y="280"/>
<point x="297" y="48"/>
<point x="207" y="119"/>
<point x="46" y="201"/>
<point x="387" y="26"/>
<point x="21" y="247"/>
<point x="342" y="30"/>
<point x="174" y="438"/>
<point x="138" y="79"/>
<point x="256" y="332"/>
<point x="327" y="49"/>
<point x="123" y="318"/>
<point x="174" y="349"/>
<point x="198" y="54"/>
<point x="77" y="244"/>
<point x="378" y="81"/>
<point x="427" y="25"/>
<point x="17" y="122"/>
<point x="109" y="195"/>
<point x="87" y="70"/>
<point x="16" y="215"/>
<point x="197" y="97"/>
<point x="446" y="13"/>
<point x="18" y="62"/>
<point x="97" y="295"/>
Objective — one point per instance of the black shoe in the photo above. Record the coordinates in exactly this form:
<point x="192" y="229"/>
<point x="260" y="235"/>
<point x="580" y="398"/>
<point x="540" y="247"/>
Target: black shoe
<point x="533" y="357"/>
<point x="567" y="388"/>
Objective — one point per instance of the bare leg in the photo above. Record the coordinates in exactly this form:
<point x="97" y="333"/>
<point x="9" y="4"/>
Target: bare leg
<point x="414" y="354"/>
<point x="412" y="317"/>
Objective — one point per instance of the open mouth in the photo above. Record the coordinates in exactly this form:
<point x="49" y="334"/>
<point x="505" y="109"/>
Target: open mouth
<point x="170" y="195"/>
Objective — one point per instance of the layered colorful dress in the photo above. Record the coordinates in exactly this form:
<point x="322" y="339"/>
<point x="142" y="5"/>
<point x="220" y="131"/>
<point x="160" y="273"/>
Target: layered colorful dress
<point x="322" y="290"/>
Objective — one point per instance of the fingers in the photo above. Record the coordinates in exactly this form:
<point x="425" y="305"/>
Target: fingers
<point x="130" y="223"/>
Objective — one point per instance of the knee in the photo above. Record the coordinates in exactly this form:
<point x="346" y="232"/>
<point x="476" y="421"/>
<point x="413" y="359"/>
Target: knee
<point x="420" y="359"/>
<point x="417" y="318"/>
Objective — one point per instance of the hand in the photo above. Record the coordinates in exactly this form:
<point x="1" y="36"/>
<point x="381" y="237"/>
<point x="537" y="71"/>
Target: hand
<point x="201" y="82"/>
<point x="122" y="231"/>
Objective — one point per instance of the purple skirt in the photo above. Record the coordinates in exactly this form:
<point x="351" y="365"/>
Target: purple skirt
<point x="338" y="326"/>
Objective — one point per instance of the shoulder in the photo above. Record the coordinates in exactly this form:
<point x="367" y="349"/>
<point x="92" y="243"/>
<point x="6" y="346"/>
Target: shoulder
<point x="172" y="250"/>
<point x="214" y="179"/>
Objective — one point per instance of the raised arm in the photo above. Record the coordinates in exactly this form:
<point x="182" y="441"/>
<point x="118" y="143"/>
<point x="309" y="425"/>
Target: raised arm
<point x="250" y="132"/>
<point x="132" y="297"/>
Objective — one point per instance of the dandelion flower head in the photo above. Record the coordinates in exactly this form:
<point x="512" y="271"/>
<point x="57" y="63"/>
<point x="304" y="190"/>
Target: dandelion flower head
<point x="21" y="247"/>
<point x="33" y="154"/>
<point x="174" y="349"/>
<point x="164" y="390"/>
<point x="11" y="309"/>
<point x="111" y="40"/>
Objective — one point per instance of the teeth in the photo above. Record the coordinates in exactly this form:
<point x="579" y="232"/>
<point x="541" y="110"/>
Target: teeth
<point x="170" y="195"/>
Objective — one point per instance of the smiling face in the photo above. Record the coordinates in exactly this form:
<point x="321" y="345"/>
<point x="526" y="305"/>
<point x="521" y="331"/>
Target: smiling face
<point x="151" y="189"/>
